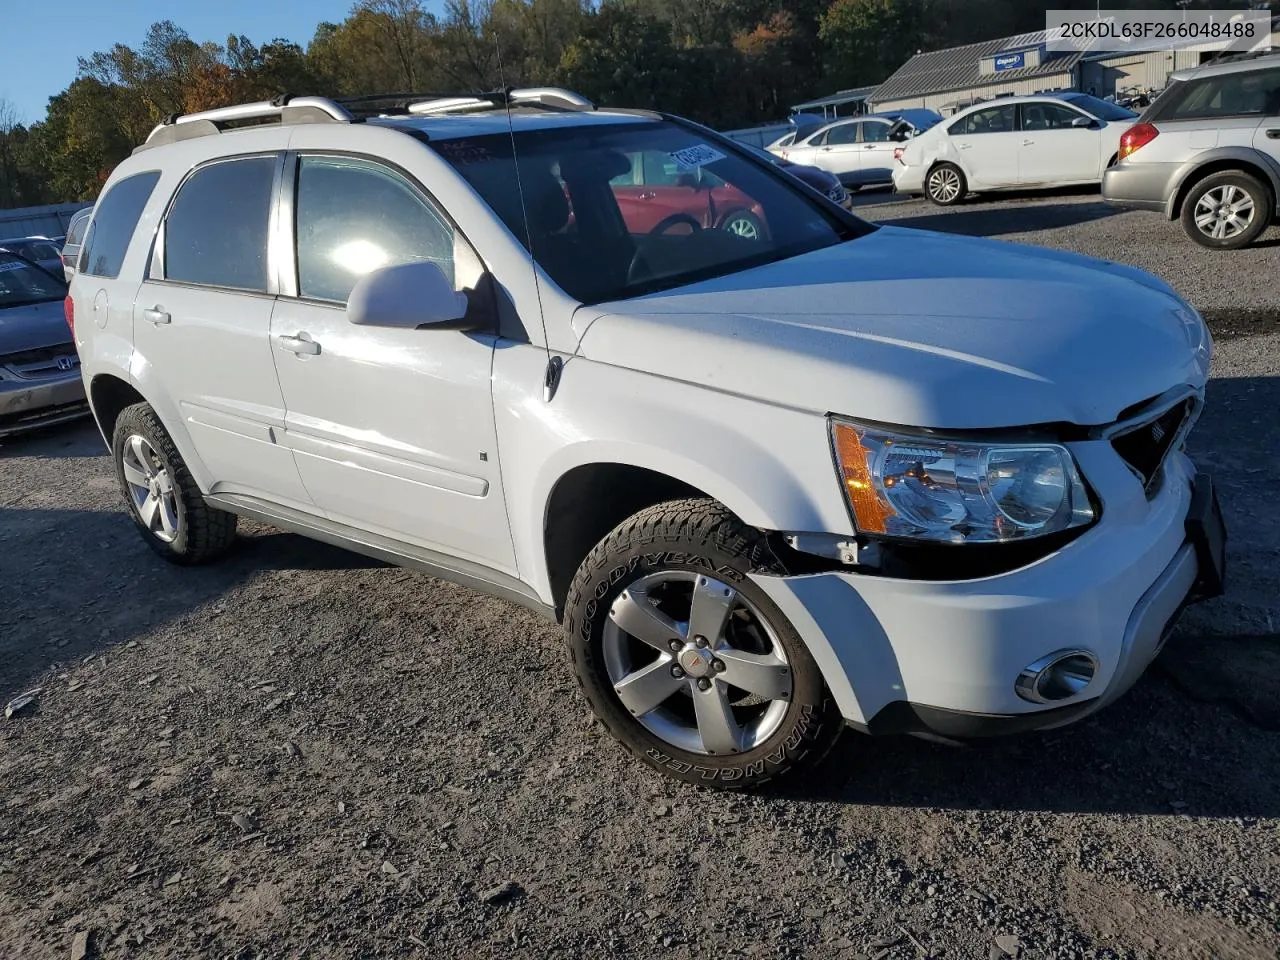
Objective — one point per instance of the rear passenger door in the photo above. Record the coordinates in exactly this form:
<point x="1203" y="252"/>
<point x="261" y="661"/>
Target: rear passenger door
<point x="987" y="144"/>
<point x="876" y="151"/>
<point x="392" y="428"/>
<point x="202" y="324"/>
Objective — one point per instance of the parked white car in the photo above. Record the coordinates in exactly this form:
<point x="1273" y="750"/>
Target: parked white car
<point x="860" y="150"/>
<point x="1054" y="140"/>
<point x="827" y="474"/>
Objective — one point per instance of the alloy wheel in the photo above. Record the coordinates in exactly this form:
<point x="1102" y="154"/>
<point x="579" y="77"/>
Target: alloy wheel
<point x="151" y="488"/>
<point x="944" y="184"/>
<point x="743" y="227"/>
<point x="696" y="663"/>
<point x="1224" y="212"/>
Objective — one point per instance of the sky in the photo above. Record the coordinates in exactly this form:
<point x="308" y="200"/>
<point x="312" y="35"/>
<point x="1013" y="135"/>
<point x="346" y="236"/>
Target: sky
<point x="41" y="41"/>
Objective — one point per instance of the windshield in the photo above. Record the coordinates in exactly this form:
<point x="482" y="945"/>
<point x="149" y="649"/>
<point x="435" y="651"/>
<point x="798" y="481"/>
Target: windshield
<point x="33" y="249"/>
<point x="1100" y="108"/>
<point x="22" y="283"/>
<point x="618" y="210"/>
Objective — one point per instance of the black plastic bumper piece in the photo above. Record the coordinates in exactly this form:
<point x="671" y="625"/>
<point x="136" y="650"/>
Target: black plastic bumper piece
<point x="901" y="717"/>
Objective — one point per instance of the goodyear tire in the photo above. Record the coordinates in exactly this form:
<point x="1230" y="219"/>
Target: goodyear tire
<point x="686" y="661"/>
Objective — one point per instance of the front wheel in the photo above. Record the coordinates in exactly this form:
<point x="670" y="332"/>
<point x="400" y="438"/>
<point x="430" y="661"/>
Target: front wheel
<point x="1226" y="211"/>
<point x="945" y="185"/>
<point x="686" y="661"/>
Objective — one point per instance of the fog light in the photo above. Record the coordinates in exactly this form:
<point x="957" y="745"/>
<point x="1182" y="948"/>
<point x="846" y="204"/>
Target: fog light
<point x="1059" y="676"/>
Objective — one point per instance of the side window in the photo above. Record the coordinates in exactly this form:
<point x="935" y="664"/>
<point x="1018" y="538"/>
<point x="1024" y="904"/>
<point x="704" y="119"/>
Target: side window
<point x="1048" y="116"/>
<point x="1229" y="95"/>
<point x="354" y="216"/>
<point x="845" y="133"/>
<point x="216" y="231"/>
<point x="75" y="229"/>
<point x="114" y="220"/>
<point x="873" y="131"/>
<point x="990" y="120"/>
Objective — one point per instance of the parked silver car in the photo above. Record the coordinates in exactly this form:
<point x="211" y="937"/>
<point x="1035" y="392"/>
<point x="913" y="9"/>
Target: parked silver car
<point x="75" y="237"/>
<point x="1208" y="152"/>
<point x="40" y="380"/>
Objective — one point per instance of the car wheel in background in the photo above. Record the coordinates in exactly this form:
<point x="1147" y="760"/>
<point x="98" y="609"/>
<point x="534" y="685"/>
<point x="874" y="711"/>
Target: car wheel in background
<point x="744" y="224"/>
<point x="945" y="185"/>
<point x="1226" y="211"/>
<point x="686" y="660"/>
<point x="164" y="499"/>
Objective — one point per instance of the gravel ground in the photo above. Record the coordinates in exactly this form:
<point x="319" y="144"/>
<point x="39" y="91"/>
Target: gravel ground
<point x="302" y="753"/>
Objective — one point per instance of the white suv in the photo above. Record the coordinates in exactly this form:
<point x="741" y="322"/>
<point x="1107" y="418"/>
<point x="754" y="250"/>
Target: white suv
<point x="830" y="474"/>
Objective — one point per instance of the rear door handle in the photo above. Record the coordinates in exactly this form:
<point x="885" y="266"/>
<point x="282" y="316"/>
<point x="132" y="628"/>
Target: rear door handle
<point x="156" y="315"/>
<point x="302" y="345"/>
<point x="647" y="194"/>
<point x="964" y="146"/>
<point x="1027" y="143"/>
<point x="1274" y="133"/>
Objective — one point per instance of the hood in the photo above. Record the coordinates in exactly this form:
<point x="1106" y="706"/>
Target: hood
<point x="921" y="329"/>
<point x="33" y="326"/>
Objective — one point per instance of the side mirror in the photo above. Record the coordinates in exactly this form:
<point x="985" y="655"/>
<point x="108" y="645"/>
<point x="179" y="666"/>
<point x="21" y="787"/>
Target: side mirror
<point x="1083" y="123"/>
<point x="405" y="295"/>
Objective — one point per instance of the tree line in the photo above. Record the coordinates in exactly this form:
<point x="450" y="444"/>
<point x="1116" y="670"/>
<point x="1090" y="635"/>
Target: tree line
<point x="726" y="63"/>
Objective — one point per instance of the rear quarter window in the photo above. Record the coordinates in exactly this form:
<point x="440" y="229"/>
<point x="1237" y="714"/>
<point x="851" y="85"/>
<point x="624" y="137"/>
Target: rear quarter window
<point x="114" y="221"/>
<point x="1243" y="94"/>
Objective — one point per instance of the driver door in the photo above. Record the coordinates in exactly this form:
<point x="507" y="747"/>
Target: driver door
<point x="656" y="193"/>
<point x="392" y="428"/>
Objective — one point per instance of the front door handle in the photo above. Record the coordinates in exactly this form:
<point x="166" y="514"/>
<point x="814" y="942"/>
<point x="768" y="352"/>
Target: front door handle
<point x="869" y="146"/>
<point x="647" y="195"/>
<point x="1027" y="143"/>
<point x="1274" y="133"/>
<point x="302" y="345"/>
<point x="156" y="315"/>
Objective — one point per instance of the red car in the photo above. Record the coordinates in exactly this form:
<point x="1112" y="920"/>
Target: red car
<point x="657" y="196"/>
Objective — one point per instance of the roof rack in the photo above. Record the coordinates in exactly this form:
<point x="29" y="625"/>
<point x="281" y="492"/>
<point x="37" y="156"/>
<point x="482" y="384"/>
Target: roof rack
<point x="288" y="109"/>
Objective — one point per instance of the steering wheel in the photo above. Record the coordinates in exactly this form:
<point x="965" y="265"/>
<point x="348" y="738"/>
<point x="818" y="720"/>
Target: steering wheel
<point x="675" y="220"/>
<point x="638" y="265"/>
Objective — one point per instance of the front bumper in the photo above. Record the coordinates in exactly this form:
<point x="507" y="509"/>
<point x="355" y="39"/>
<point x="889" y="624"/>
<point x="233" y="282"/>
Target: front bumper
<point x="29" y="404"/>
<point x="909" y="656"/>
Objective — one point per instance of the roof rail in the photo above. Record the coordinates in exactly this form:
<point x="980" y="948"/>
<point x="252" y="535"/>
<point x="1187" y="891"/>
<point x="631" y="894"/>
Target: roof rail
<point x="553" y="98"/>
<point x="287" y="109"/>
<point x="284" y="109"/>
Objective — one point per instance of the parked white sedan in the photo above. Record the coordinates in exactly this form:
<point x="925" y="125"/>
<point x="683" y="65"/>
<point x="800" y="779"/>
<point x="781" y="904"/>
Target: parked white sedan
<point x="860" y="151"/>
<point x="1050" y="140"/>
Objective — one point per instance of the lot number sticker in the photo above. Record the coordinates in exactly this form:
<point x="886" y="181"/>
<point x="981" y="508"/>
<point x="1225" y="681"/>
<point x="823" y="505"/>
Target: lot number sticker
<point x="690" y="158"/>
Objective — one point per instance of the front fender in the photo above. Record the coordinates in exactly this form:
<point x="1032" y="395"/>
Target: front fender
<point x="770" y="465"/>
<point x="1192" y="168"/>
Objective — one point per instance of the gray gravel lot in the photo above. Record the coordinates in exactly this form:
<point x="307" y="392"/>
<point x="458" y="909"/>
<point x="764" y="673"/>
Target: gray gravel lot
<point x="298" y="752"/>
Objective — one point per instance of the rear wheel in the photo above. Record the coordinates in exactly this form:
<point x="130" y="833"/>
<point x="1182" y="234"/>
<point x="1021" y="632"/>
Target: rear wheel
<point x="164" y="499"/>
<point x="1226" y="211"/>
<point x="945" y="185"/>
<point x="686" y="660"/>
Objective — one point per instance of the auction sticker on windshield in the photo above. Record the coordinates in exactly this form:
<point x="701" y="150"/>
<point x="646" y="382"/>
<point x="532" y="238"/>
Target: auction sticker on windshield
<point x="692" y="157"/>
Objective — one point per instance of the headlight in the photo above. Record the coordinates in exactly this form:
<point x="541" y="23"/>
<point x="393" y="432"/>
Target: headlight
<point x="957" y="492"/>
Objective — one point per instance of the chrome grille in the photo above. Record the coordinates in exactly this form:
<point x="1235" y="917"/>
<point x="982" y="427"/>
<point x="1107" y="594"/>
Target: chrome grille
<point x="42" y="362"/>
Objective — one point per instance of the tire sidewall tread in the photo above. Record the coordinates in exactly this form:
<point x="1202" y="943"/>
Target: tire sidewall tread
<point x="205" y="532"/>
<point x="702" y="536"/>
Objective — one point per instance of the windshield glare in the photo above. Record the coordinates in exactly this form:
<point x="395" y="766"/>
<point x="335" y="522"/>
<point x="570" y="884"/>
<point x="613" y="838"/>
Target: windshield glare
<point x="21" y="283"/>
<point x="620" y="210"/>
